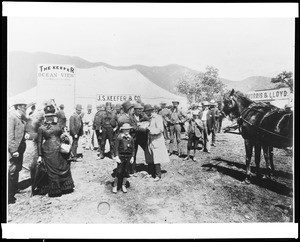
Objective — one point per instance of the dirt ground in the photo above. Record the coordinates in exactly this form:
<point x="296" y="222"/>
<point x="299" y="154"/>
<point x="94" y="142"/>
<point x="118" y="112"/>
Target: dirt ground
<point x="211" y="190"/>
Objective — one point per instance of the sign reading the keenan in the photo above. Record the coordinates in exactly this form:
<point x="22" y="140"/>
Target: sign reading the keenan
<point x="120" y="98"/>
<point x="269" y="95"/>
<point x="57" y="82"/>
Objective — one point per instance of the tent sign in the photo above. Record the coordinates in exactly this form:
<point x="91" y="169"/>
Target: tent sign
<point x="57" y="81"/>
<point x="117" y="98"/>
<point x="268" y="95"/>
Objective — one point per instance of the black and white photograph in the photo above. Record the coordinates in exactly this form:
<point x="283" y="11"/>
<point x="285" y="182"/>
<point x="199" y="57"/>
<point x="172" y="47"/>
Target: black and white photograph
<point x="116" y="117"/>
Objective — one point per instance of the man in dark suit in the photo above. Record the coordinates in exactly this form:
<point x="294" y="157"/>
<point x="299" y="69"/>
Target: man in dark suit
<point x="76" y="130"/>
<point x="16" y="146"/>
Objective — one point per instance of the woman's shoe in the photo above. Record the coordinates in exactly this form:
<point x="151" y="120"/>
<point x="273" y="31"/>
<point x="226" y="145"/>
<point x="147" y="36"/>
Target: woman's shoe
<point x="124" y="189"/>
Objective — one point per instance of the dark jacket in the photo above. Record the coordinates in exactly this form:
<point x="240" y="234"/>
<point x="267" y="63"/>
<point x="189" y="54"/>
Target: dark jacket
<point x="76" y="125"/>
<point x="108" y="120"/>
<point x="124" y="145"/>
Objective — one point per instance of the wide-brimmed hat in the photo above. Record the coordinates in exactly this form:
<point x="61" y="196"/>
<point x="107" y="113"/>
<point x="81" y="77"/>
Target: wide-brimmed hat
<point x="138" y="106"/>
<point x="213" y="102"/>
<point x="19" y="101"/>
<point x="205" y="103"/>
<point x="78" y="107"/>
<point x="126" y="126"/>
<point x="148" y="107"/>
<point x="127" y="105"/>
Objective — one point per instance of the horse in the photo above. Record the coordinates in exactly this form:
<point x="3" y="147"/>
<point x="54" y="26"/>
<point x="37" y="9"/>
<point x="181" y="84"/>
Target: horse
<point x="262" y="125"/>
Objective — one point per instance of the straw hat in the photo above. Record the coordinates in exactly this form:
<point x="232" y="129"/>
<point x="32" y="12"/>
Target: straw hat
<point x="126" y="126"/>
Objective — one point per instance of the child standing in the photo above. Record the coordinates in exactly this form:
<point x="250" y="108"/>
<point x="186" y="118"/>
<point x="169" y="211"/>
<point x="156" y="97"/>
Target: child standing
<point x="124" y="156"/>
<point x="194" y="134"/>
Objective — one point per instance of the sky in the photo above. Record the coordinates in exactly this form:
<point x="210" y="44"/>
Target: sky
<point x="238" y="47"/>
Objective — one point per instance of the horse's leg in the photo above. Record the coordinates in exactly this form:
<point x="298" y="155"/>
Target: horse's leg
<point x="271" y="154"/>
<point x="257" y="159"/>
<point x="249" y="149"/>
<point x="267" y="159"/>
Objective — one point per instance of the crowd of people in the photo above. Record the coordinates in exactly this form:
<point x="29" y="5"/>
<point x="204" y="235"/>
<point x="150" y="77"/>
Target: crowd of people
<point x="127" y="126"/>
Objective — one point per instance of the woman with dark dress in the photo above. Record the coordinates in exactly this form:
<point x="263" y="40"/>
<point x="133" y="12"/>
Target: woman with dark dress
<point x="50" y="135"/>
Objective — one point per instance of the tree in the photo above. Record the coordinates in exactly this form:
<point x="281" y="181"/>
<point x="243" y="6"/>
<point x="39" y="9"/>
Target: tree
<point x="202" y="86"/>
<point x="284" y="79"/>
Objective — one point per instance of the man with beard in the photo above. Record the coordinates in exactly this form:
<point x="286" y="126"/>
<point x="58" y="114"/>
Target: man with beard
<point x="16" y="146"/>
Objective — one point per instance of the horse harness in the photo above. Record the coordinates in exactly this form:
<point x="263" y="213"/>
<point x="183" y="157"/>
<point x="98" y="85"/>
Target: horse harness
<point x="246" y="111"/>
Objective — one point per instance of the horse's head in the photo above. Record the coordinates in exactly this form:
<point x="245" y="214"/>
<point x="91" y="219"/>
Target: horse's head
<point x="230" y="106"/>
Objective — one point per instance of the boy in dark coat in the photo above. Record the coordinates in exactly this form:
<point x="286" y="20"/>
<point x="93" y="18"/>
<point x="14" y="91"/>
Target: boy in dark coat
<point x="124" y="157"/>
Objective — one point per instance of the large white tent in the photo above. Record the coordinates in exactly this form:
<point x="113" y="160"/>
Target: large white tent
<point x="101" y="80"/>
<point x="105" y="81"/>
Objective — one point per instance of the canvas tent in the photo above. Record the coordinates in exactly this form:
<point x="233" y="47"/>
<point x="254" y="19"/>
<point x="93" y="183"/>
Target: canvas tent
<point x="105" y="81"/>
<point x="101" y="80"/>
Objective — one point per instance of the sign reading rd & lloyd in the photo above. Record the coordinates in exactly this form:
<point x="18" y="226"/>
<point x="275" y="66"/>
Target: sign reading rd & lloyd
<point x="272" y="94"/>
<point x="117" y="98"/>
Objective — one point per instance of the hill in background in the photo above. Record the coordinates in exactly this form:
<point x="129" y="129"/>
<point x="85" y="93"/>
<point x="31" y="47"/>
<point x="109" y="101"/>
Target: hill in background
<point x="22" y="69"/>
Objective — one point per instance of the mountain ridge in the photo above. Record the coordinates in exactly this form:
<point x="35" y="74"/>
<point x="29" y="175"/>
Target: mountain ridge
<point x="22" y="67"/>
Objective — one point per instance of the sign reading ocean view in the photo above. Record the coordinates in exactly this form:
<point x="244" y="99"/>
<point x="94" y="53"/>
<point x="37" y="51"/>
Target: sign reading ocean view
<point x="117" y="98"/>
<point x="269" y="95"/>
<point x="56" y="82"/>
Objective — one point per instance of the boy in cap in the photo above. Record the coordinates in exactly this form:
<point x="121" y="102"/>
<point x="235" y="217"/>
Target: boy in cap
<point x="124" y="157"/>
<point x="17" y="137"/>
<point x="76" y="130"/>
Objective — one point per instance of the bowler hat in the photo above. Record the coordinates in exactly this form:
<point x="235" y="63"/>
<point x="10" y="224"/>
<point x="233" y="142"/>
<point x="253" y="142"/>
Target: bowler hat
<point x="163" y="103"/>
<point x="108" y="104"/>
<point x="127" y="105"/>
<point x="175" y="102"/>
<point x="148" y="107"/>
<point x="138" y="106"/>
<point x="78" y="107"/>
<point x="61" y="106"/>
<point x="126" y="126"/>
<point x="118" y="107"/>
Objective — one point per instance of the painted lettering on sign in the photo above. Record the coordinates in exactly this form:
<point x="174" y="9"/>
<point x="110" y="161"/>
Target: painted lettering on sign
<point x="117" y="98"/>
<point x="273" y="94"/>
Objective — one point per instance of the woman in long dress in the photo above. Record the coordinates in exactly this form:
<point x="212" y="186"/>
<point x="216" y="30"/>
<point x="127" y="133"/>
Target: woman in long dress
<point x="59" y="176"/>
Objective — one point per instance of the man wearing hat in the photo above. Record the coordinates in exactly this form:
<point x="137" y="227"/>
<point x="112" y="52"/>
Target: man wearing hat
<point x="76" y="129"/>
<point x="17" y="137"/>
<point x="61" y="117"/>
<point x="213" y="108"/>
<point x="127" y="116"/>
<point x="208" y="119"/>
<point x="140" y="136"/>
<point x="108" y="122"/>
<point x="166" y="115"/>
<point x="97" y="126"/>
<point x="177" y="117"/>
<point x="88" y="127"/>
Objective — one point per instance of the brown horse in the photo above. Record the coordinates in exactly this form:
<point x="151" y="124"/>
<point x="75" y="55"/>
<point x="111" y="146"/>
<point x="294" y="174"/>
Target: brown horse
<point x="261" y="125"/>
